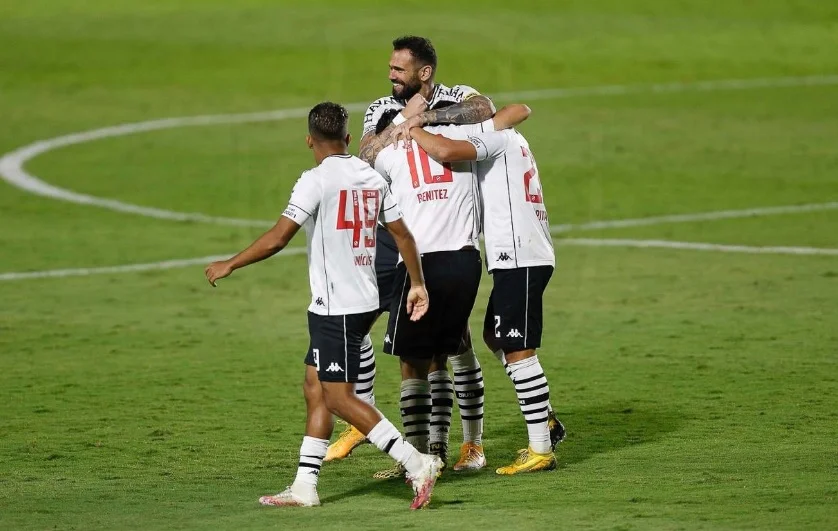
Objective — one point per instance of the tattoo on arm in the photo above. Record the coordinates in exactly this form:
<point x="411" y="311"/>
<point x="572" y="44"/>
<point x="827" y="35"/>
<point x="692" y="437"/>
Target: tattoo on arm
<point x="473" y="110"/>
<point x="371" y="145"/>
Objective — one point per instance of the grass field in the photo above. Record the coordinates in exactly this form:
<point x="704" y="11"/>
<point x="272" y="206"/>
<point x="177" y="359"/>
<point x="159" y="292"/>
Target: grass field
<point x="698" y="387"/>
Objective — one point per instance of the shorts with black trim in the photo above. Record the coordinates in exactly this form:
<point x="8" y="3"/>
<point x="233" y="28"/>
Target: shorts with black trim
<point x="386" y="258"/>
<point x="452" y="279"/>
<point x="514" y="317"/>
<point x="335" y="344"/>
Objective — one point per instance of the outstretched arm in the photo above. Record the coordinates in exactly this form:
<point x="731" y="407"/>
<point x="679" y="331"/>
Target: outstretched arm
<point x="268" y="244"/>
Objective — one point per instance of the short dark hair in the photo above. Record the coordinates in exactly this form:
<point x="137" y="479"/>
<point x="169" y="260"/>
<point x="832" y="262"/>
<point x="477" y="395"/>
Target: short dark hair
<point x="328" y="121"/>
<point x="420" y="48"/>
<point x="385" y="120"/>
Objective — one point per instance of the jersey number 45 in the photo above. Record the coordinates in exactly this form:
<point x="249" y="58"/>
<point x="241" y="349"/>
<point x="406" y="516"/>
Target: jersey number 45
<point x="365" y="206"/>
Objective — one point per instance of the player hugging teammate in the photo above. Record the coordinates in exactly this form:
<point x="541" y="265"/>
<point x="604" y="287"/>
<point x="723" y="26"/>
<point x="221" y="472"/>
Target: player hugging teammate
<point x="403" y="238"/>
<point x="442" y="200"/>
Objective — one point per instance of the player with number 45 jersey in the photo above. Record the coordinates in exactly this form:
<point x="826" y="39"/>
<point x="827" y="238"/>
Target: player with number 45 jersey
<point x="520" y="258"/>
<point x="339" y="202"/>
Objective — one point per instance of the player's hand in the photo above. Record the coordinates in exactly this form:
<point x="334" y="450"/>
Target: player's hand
<point x="417" y="105"/>
<point x="417" y="302"/>
<point x="217" y="270"/>
<point x="402" y="132"/>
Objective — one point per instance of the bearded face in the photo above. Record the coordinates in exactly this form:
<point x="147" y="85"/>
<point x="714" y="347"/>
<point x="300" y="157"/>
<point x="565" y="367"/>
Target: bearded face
<point x="405" y="75"/>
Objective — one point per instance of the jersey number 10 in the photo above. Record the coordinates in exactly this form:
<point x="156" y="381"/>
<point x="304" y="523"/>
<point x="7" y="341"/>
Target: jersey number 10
<point x="445" y="177"/>
<point x="366" y="200"/>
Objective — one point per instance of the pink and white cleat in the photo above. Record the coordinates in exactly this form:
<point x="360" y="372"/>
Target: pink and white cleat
<point x="423" y="482"/>
<point x="289" y="498"/>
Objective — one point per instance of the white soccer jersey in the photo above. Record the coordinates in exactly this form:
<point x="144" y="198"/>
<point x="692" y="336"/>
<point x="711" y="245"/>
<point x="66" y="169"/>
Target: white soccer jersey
<point x="515" y="224"/>
<point x="439" y="201"/>
<point x="455" y="94"/>
<point x="338" y="203"/>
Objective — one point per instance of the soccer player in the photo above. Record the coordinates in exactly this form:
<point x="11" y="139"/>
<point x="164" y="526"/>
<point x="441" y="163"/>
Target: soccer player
<point x="440" y="202"/>
<point x="520" y="256"/>
<point x="338" y="202"/>
<point x="413" y="66"/>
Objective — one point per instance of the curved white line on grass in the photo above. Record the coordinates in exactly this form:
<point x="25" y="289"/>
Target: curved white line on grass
<point x="699" y="216"/>
<point x="666" y="244"/>
<point x="11" y="164"/>
<point x="129" y="268"/>
<point x="585" y="242"/>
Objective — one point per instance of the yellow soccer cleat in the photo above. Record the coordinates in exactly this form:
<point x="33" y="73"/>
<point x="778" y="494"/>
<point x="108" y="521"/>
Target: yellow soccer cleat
<point x="529" y="461"/>
<point x="348" y="440"/>
<point x="471" y="457"/>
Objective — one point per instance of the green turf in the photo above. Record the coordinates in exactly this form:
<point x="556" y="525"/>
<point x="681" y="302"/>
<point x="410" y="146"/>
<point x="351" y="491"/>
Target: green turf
<point x="697" y="387"/>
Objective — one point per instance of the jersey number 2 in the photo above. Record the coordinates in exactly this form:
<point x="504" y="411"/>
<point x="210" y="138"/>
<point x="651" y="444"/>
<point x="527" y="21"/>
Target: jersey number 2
<point x="445" y="177"/>
<point x="532" y="197"/>
<point x="366" y="200"/>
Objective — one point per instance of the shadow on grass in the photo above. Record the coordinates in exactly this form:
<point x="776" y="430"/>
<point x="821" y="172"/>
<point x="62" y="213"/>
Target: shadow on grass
<point x="590" y="431"/>
<point x="600" y="430"/>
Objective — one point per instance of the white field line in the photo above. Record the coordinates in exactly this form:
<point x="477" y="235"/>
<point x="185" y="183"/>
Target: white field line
<point x="699" y="216"/>
<point x="11" y="170"/>
<point x="691" y="246"/>
<point x="11" y="164"/>
<point x="130" y="268"/>
<point x="584" y="242"/>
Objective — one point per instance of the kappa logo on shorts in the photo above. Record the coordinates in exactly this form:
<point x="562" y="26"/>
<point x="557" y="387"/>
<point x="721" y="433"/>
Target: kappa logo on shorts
<point x="514" y="333"/>
<point x="387" y="339"/>
<point x="503" y="257"/>
<point x="319" y="301"/>
<point x="334" y="367"/>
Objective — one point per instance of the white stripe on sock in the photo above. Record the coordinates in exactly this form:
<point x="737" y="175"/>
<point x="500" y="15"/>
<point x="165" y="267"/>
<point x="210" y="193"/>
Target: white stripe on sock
<point x="533" y="399"/>
<point x="442" y="404"/>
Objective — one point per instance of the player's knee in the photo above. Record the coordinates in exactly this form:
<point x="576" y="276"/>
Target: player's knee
<point x="439" y="363"/>
<point x="519" y="355"/>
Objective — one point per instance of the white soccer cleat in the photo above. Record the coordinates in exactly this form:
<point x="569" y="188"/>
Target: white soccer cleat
<point x="289" y="498"/>
<point x="423" y="482"/>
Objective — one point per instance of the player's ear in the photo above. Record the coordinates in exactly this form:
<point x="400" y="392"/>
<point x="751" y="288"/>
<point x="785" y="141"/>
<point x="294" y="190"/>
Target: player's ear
<point x="426" y="72"/>
<point x="309" y="142"/>
<point x="348" y="138"/>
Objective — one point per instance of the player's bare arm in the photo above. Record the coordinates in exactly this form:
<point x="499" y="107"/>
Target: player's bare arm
<point x="445" y="149"/>
<point x="267" y="245"/>
<point x="372" y="144"/>
<point x="471" y="111"/>
<point x="417" y="297"/>
<point x="511" y="116"/>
